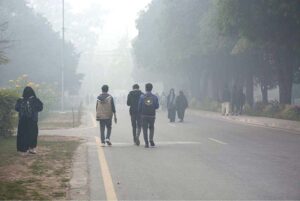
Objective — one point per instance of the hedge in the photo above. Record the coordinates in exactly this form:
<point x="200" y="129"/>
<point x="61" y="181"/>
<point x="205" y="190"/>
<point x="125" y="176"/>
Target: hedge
<point x="8" y="116"/>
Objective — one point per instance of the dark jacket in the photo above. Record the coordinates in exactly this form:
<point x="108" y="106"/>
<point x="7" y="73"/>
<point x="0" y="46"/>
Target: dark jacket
<point x="181" y="102"/>
<point x="35" y="103"/>
<point x="133" y="101"/>
<point x="141" y="107"/>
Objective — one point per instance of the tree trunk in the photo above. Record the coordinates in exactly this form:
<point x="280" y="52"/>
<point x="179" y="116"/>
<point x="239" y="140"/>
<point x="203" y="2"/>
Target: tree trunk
<point x="285" y="82"/>
<point x="249" y="89"/>
<point x="285" y="76"/>
<point x="264" y="93"/>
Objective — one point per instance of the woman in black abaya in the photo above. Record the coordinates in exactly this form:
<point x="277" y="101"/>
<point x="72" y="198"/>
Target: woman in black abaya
<point x="28" y="107"/>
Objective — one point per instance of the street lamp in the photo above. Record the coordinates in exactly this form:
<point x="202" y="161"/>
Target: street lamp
<point x="62" y="55"/>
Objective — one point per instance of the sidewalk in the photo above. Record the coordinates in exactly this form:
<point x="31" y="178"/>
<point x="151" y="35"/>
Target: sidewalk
<point x="293" y="126"/>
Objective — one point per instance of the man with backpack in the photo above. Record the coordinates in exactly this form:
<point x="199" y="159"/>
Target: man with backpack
<point x="148" y="103"/>
<point x="133" y="101"/>
<point x="105" y="110"/>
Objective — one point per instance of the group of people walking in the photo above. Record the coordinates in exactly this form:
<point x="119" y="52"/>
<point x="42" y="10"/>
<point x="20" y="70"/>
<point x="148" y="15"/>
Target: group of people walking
<point x="176" y="104"/>
<point x="142" y="111"/>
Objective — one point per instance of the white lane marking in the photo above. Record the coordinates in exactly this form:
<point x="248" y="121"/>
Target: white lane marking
<point x="218" y="141"/>
<point x="125" y="144"/>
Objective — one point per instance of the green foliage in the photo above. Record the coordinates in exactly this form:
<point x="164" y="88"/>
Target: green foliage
<point x="8" y="116"/>
<point x="48" y="93"/>
<point x="34" y="48"/>
<point x="274" y="110"/>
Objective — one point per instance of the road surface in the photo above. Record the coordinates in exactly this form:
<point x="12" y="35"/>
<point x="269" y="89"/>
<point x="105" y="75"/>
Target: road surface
<point x="201" y="158"/>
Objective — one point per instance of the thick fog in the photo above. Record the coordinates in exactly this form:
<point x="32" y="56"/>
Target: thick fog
<point x="200" y="47"/>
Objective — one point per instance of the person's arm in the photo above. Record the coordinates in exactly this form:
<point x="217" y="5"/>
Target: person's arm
<point x="157" y="103"/>
<point x="113" y="108"/>
<point x="38" y="105"/>
<point x="140" y="104"/>
<point x="18" y="105"/>
<point x="129" y="100"/>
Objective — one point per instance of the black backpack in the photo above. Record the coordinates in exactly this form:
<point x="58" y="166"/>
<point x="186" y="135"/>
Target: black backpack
<point x="26" y="108"/>
<point x="148" y="105"/>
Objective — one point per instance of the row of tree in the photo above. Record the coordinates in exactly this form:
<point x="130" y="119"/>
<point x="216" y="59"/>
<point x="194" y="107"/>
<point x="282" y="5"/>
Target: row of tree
<point x="29" y="45"/>
<point x="205" y="45"/>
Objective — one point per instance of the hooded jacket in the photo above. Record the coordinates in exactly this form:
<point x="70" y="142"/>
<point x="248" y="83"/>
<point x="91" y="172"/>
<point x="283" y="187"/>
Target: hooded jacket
<point x="133" y="101"/>
<point x="105" y="106"/>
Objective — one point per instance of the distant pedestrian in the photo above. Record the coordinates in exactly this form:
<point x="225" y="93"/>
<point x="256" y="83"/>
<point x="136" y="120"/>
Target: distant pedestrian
<point x="148" y="103"/>
<point x="28" y="107"/>
<point x="171" y="105"/>
<point x="105" y="111"/>
<point x="234" y="101"/>
<point x="226" y="101"/>
<point x="241" y="98"/>
<point x="133" y="102"/>
<point x="181" y="105"/>
<point x="163" y="101"/>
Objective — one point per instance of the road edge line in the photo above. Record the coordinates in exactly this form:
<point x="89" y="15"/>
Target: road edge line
<point x="106" y="176"/>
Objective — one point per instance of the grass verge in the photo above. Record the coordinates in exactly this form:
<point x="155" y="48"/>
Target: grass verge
<point x="44" y="176"/>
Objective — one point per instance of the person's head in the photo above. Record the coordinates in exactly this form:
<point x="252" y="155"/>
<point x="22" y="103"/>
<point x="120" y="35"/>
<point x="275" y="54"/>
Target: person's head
<point x="172" y="91"/>
<point x="135" y="86"/>
<point x="104" y="88"/>
<point x="181" y="93"/>
<point x="28" y="92"/>
<point x="148" y="87"/>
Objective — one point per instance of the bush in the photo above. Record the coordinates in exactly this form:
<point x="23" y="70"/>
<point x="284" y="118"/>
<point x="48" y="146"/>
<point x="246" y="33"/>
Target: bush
<point x="8" y="116"/>
<point x="290" y="112"/>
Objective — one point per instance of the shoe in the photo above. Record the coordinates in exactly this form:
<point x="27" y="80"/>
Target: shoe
<point x="108" y="142"/>
<point x="146" y="145"/>
<point x="137" y="142"/>
<point x="102" y="144"/>
<point x="152" y="144"/>
<point x="32" y="151"/>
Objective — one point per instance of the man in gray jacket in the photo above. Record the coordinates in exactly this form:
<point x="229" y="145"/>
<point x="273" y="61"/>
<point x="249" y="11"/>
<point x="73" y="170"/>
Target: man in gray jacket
<point x="105" y="110"/>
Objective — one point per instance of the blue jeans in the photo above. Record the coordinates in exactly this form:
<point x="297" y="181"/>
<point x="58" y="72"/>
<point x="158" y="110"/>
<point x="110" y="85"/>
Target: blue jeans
<point x="105" y="123"/>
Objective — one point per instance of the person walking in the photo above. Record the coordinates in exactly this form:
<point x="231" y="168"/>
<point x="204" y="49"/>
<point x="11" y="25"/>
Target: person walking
<point x="105" y="111"/>
<point x="181" y="105"/>
<point x="133" y="102"/>
<point x="225" y="101"/>
<point x="148" y="104"/>
<point x="28" y="108"/>
<point x="171" y="105"/>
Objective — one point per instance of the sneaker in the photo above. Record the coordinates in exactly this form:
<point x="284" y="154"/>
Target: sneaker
<point x="137" y="142"/>
<point x="32" y="151"/>
<point x="146" y="145"/>
<point x="108" y="142"/>
<point x="152" y="144"/>
<point x="102" y="144"/>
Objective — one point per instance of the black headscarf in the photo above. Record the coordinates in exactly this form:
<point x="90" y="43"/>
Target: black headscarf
<point x="28" y="92"/>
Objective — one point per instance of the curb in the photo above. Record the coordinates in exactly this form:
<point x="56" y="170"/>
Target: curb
<point x="280" y="124"/>
<point x="79" y="182"/>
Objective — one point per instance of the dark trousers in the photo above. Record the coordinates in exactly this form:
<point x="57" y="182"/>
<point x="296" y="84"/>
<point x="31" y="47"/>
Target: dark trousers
<point x="148" y="122"/>
<point x="27" y="134"/>
<point x="136" y="125"/>
<point x="180" y="113"/>
<point x="172" y="114"/>
<point x="105" y="123"/>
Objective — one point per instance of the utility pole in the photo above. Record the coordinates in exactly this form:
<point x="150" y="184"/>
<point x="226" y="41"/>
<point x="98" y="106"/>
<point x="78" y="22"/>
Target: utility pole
<point x="63" y="55"/>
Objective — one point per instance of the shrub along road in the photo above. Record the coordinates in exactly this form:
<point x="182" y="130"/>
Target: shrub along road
<point x="202" y="158"/>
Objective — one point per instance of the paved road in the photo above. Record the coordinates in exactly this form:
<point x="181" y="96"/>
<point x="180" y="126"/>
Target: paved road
<point x="201" y="158"/>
